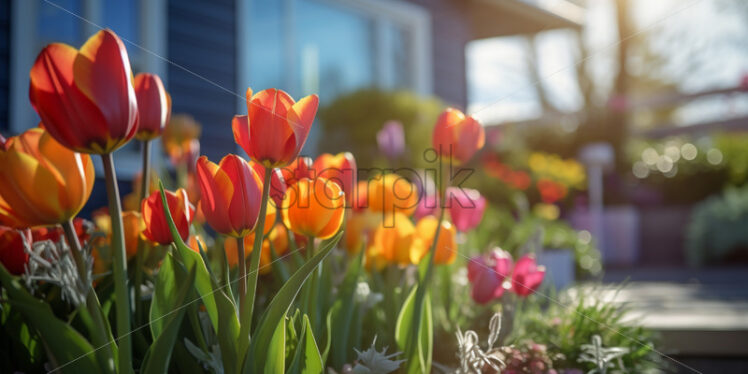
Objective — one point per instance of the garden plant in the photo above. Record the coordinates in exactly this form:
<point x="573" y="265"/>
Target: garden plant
<point x="272" y="262"/>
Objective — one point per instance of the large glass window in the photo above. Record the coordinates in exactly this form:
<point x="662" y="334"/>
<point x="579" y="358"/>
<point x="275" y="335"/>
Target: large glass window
<point x="328" y="47"/>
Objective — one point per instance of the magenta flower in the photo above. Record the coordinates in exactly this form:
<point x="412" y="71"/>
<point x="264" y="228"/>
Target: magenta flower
<point x="466" y="207"/>
<point x="391" y="139"/>
<point x="527" y="276"/>
<point x="487" y="275"/>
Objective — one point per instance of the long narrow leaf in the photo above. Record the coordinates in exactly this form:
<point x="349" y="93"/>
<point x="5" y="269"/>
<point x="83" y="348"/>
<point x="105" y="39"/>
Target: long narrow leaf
<point x="307" y="359"/>
<point x="70" y="351"/>
<point x="278" y="308"/>
<point x="159" y="355"/>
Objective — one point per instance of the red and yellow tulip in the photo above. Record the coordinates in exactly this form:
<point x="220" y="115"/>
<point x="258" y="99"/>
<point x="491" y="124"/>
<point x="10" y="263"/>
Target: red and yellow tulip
<point x="458" y="136"/>
<point x="154" y="106"/>
<point x="231" y="194"/>
<point x="43" y="183"/>
<point x="85" y="97"/>
<point x="276" y="127"/>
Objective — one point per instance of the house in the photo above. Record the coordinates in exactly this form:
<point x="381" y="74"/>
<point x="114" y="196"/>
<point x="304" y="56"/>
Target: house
<point x="209" y="51"/>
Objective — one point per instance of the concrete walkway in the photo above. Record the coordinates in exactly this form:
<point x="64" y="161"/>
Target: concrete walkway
<point x="699" y="313"/>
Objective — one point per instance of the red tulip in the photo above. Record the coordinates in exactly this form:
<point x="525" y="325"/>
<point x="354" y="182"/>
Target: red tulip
<point x="275" y="128"/>
<point x="156" y="226"/>
<point x="231" y="195"/>
<point x="466" y="207"/>
<point x="341" y="169"/>
<point x="458" y="136"/>
<point x="299" y="168"/>
<point x="277" y="183"/>
<point x="12" y="253"/>
<point x="154" y="106"/>
<point x="85" y="97"/>
<point x="527" y="276"/>
<point x="82" y="227"/>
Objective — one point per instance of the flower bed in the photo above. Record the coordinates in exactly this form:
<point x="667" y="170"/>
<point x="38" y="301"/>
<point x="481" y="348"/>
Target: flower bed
<point x="278" y="263"/>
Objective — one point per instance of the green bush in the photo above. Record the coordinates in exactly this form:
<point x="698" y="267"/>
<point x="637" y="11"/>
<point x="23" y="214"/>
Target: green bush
<point x="351" y="122"/>
<point x="718" y="227"/>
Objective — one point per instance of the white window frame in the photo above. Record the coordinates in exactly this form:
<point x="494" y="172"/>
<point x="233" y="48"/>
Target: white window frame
<point x="414" y="18"/>
<point x="152" y="29"/>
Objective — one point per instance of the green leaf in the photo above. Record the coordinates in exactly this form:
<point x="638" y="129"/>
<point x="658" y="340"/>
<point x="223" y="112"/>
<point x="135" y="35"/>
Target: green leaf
<point x="276" y="358"/>
<point x="219" y="306"/>
<point x="418" y="353"/>
<point x="164" y="296"/>
<point x="278" y="308"/>
<point x="191" y="259"/>
<point x="67" y="348"/>
<point x="307" y="358"/>
<point x="159" y="355"/>
<point x="344" y="306"/>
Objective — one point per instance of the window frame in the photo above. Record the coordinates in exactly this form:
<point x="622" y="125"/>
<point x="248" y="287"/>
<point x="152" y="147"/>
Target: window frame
<point x="413" y="18"/>
<point x="152" y="34"/>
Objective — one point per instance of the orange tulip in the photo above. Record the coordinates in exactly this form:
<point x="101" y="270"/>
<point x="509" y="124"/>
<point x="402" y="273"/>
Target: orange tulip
<point x="43" y="183"/>
<point x="276" y="127"/>
<point x="154" y="106"/>
<point x="196" y="242"/>
<point x="156" y="226"/>
<point x="231" y="195"/>
<point x="180" y="139"/>
<point x="314" y="207"/>
<point x="446" y="247"/>
<point x="133" y="226"/>
<point x="12" y="253"/>
<point x="278" y="237"/>
<point x="359" y="228"/>
<point x="394" y="242"/>
<point x="458" y="136"/>
<point x="85" y="97"/>
<point x="340" y="168"/>
<point x="299" y="168"/>
<point x="391" y="193"/>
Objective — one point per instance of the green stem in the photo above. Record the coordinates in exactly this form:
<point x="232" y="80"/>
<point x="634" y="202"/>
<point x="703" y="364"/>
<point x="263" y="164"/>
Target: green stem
<point x="254" y="260"/>
<point x="145" y="180"/>
<point x="313" y="286"/>
<point x="242" y="274"/>
<point x="425" y="279"/>
<point x="139" y="270"/>
<point x="102" y="334"/>
<point x="119" y="258"/>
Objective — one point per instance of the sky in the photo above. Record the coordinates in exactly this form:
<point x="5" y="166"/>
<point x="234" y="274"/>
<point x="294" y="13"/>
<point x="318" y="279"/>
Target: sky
<point x="703" y="42"/>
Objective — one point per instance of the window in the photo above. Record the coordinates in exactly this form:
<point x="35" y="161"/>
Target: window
<point x="137" y="22"/>
<point x="332" y="47"/>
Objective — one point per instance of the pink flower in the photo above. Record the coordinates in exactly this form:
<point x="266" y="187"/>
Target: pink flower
<point x="427" y="206"/>
<point x="466" y="207"/>
<point x="487" y="274"/>
<point x="527" y="276"/>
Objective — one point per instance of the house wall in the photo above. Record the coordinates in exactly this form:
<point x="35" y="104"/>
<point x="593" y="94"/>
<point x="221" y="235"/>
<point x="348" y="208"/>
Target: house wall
<point x="451" y="31"/>
<point x="4" y="64"/>
<point x="202" y="39"/>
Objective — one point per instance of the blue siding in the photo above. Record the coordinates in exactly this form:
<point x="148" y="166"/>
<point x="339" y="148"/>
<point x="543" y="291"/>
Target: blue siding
<point x="4" y="65"/>
<point x="202" y="39"/>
